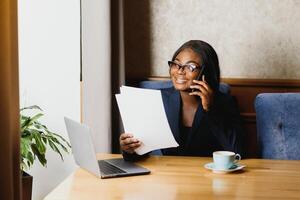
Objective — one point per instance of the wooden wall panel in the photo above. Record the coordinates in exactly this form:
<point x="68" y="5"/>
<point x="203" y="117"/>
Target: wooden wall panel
<point x="9" y="107"/>
<point x="245" y="90"/>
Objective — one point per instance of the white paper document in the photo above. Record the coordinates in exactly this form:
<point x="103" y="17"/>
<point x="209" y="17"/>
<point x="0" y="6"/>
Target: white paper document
<point x="144" y="116"/>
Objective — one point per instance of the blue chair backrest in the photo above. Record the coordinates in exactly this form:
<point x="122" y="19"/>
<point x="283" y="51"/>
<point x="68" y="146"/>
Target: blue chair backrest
<point x="278" y="125"/>
<point x="224" y="87"/>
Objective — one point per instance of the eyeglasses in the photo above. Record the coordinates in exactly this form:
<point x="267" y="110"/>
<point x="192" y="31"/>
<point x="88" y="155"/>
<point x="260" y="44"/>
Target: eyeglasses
<point x="189" y="67"/>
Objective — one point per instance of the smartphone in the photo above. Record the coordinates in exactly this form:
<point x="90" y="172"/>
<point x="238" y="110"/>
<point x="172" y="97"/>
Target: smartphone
<point x="199" y="76"/>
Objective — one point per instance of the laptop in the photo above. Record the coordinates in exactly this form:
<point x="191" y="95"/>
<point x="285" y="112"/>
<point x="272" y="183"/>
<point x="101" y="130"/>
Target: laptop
<point x="85" y="155"/>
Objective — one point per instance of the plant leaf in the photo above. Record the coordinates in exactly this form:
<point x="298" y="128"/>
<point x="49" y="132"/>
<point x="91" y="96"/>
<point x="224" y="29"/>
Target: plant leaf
<point x="24" y="149"/>
<point x="31" y="107"/>
<point x="29" y="121"/>
<point x="54" y="148"/>
<point x="35" y="138"/>
<point x="30" y="158"/>
<point x="39" y="143"/>
<point x="41" y="157"/>
<point x="57" y="142"/>
<point x="24" y="123"/>
<point x="27" y="157"/>
<point x="35" y="117"/>
<point x="63" y="139"/>
<point x="63" y="147"/>
<point x="44" y="140"/>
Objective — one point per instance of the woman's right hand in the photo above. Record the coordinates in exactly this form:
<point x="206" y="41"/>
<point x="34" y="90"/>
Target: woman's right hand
<point x="128" y="143"/>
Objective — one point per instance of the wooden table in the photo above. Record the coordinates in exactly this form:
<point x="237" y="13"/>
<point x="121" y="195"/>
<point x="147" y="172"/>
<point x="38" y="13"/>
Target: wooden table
<point x="185" y="178"/>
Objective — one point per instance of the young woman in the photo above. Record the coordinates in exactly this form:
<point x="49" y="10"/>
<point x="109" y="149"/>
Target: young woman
<point x="202" y="118"/>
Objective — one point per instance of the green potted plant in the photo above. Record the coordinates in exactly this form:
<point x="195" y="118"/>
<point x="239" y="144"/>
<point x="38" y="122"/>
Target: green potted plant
<point x="35" y="139"/>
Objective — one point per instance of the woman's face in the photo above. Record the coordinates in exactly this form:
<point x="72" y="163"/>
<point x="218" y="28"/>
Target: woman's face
<point x="183" y="79"/>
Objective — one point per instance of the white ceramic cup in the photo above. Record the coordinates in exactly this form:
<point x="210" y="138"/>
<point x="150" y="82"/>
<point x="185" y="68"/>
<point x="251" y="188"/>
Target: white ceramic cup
<point x="224" y="160"/>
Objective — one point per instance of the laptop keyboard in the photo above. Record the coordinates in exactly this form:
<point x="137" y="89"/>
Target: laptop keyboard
<point x="107" y="168"/>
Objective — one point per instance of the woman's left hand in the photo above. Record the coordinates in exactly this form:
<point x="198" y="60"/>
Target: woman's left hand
<point x="204" y="91"/>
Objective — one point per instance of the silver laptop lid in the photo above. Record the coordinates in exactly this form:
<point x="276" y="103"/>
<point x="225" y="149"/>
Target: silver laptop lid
<point x="82" y="146"/>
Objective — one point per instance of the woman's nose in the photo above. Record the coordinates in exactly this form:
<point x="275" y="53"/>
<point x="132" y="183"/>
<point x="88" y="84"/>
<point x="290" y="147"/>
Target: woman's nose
<point x="181" y="70"/>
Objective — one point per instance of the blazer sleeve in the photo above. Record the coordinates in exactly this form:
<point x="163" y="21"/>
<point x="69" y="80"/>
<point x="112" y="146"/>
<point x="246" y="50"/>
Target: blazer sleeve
<point x="224" y="122"/>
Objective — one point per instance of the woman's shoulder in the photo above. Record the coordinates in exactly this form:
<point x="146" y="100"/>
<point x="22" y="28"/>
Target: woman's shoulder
<point x="170" y="96"/>
<point x="168" y="91"/>
<point x="225" y="101"/>
<point x="224" y="96"/>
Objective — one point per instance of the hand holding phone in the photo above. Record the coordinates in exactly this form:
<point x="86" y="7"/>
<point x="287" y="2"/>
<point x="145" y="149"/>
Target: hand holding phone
<point x="198" y="78"/>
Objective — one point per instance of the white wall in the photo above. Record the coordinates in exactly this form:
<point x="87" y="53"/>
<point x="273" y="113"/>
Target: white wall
<point x="49" y="60"/>
<point x="96" y="69"/>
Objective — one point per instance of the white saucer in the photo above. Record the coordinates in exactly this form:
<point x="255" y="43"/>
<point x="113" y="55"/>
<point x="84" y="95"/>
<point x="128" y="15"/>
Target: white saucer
<point x="236" y="167"/>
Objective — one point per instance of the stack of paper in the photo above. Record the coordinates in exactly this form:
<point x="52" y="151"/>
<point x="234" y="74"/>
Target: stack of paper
<point x="143" y="115"/>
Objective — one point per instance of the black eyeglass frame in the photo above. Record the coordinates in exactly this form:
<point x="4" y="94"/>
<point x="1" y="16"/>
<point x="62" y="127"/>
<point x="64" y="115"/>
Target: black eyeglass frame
<point x="190" y="66"/>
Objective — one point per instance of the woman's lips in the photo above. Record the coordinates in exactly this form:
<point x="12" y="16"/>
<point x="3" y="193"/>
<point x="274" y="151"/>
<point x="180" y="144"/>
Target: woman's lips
<point x="180" y="81"/>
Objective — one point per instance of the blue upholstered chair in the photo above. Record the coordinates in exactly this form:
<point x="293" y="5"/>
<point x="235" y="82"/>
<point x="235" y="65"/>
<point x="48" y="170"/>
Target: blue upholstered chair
<point x="278" y="125"/>
<point x="224" y="87"/>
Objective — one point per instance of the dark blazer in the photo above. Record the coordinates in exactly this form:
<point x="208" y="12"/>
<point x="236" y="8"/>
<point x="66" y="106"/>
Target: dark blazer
<point x="218" y="129"/>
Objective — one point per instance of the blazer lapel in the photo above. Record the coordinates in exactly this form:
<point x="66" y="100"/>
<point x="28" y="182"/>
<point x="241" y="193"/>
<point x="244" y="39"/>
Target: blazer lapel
<point x="171" y="100"/>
